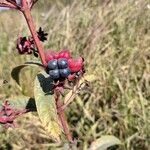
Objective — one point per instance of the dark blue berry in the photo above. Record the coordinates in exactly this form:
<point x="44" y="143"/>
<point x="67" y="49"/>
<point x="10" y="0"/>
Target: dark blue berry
<point x="52" y="64"/>
<point x="62" y="63"/>
<point x="54" y="74"/>
<point x="64" y="73"/>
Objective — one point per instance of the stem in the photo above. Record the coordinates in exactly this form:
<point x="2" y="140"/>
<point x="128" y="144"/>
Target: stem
<point x="62" y="117"/>
<point x="27" y="14"/>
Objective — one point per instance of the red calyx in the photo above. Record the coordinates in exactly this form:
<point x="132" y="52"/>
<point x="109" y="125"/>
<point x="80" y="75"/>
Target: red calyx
<point x="50" y="55"/>
<point x="75" y="65"/>
<point x="64" y="54"/>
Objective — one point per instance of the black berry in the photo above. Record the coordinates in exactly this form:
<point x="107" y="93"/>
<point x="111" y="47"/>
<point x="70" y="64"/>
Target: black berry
<point x="52" y="64"/>
<point x="62" y="63"/>
<point x="64" y="73"/>
<point x="54" y="74"/>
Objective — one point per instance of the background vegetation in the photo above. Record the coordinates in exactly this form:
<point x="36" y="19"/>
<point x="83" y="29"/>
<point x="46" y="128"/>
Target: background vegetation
<point x="113" y="37"/>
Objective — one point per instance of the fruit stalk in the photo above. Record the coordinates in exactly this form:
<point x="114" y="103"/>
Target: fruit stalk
<point x="27" y="14"/>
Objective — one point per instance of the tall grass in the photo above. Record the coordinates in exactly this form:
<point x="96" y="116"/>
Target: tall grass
<point x="113" y="37"/>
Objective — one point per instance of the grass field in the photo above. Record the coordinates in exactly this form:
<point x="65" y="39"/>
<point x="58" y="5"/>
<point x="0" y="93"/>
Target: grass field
<point x="114" y="39"/>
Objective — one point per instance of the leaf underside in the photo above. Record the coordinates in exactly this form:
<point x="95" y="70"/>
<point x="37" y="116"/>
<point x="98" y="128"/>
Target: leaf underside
<point x="46" y="106"/>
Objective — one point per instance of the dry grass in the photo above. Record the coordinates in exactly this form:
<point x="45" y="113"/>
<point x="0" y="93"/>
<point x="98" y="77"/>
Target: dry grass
<point x="114" y="39"/>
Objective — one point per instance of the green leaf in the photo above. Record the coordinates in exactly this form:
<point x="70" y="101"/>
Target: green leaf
<point x="104" y="142"/>
<point x="34" y="63"/>
<point x="24" y="76"/>
<point x="16" y="71"/>
<point x="21" y="102"/>
<point x="46" y="106"/>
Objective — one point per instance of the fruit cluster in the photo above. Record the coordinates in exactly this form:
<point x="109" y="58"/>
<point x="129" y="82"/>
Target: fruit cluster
<point x="60" y="65"/>
<point x="58" y="68"/>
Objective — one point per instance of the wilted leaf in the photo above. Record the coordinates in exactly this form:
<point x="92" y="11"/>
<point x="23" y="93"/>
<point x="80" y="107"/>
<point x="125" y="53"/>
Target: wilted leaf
<point x="104" y="142"/>
<point x="88" y="78"/>
<point x="46" y="106"/>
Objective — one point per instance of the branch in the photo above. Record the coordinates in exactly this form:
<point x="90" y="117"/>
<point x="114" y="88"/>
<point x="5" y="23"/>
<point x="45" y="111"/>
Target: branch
<point x="71" y="95"/>
<point x="9" y="4"/>
<point x="12" y="2"/>
<point x="27" y="14"/>
<point x="62" y="117"/>
<point x="33" y="3"/>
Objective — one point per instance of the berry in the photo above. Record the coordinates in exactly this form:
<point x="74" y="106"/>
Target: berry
<point x="62" y="63"/>
<point x="52" y="64"/>
<point x="64" y="73"/>
<point x="54" y="74"/>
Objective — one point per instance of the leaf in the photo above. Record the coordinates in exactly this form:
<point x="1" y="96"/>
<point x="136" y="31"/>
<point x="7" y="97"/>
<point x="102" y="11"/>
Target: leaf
<point x="104" y="142"/>
<point x="46" y="106"/>
<point x="16" y="71"/>
<point x="34" y="63"/>
<point x="88" y="78"/>
<point x="24" y="76"/>
<point x="21" y="102"/>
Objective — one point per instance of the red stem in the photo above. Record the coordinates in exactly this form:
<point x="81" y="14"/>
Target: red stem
<point x="62" y="118"/>
<point x="27" y="14"/>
